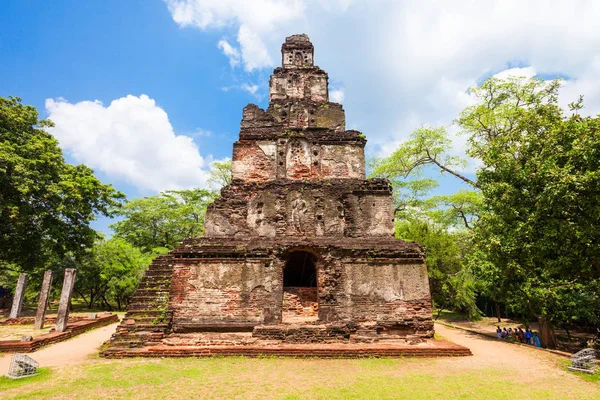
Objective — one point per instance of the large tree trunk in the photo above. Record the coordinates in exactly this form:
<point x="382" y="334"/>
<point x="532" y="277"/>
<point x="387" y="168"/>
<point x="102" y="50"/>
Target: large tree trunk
<point x="564" y="326"/>
<point x="498" y="311"/>
<point x="83" y="297"/>
<point x="547" y="336"/>
<point x="106" y="303"/>
<point x="439" y="313"/>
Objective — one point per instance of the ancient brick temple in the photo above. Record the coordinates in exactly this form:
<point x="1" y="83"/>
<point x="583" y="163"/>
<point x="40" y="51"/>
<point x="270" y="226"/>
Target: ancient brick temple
<point x="299" y="248"/>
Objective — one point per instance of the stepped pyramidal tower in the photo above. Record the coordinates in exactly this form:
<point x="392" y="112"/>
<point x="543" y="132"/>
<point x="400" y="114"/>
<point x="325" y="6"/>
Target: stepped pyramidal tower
<point x="299" y="248"/>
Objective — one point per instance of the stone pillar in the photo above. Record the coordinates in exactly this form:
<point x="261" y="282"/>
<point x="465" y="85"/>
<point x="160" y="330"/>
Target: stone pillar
<point x="65" y="299"/>
<point x="17" y="304"/>
<point x="43" y="302"/>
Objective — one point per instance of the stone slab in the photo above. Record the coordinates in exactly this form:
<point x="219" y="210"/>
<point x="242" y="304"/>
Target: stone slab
<point x="19" y="296"/>
<point x="43" y="300"/>
<point x="62" y="318"/>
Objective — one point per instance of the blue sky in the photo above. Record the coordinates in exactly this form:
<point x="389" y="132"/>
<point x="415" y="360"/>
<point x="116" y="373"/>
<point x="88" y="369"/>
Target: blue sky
<point x="108" y="49"/>
<point x="149" y="92"/>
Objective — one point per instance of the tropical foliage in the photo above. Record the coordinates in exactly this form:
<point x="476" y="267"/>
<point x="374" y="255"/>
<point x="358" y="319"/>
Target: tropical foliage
<point x="529" y="225"/>
<point x="46" y="204"/>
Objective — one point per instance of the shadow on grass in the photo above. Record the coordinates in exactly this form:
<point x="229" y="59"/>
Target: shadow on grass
<point x="43" y="375"/>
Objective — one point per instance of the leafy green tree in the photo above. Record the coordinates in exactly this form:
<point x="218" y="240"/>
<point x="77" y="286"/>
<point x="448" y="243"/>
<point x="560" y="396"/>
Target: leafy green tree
<point x="452" y="284"/>
<point x="109" y="273"/>
<point x="540" y="180"/>
<point x="534" y="215"/>
<point x="425" y="147"/>
<point x="459" y="210"/>
<point x="441" y="223"/>
<point x="220" y="173"/>
<point x="46" y="204"/>
<point x="163" y="220"/>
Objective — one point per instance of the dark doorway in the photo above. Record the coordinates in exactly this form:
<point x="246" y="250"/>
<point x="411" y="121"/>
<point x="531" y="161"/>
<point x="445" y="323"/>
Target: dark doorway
<point x="300" y="304"/>
<point x="300" y="270"/>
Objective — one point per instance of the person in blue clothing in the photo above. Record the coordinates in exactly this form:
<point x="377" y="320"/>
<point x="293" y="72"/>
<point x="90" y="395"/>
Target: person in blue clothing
<point x="499" y="333"/>
<point x="528" y="336"/>
<point x="536" y="340"/>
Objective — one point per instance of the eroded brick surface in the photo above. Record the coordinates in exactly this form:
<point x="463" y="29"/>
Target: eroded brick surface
<point x="299" y="192"/>
<point x="311" y="208"/>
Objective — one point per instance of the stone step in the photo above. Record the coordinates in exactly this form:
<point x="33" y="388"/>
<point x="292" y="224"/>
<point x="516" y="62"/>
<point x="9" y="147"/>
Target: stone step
<point x="148" y="314"/>
<point x="150" y="328"/>
<point x="147" y="307"/>
<point x="144" y="298"/>
<point x="126" y="344"/>
<point x="146" y="322"/>
<point x="129" y="338"/>
<point x="151" y="291"/>
<point x="155" y="272"/>
<point x="153" y="284"/>
<point x="149" y="282"/>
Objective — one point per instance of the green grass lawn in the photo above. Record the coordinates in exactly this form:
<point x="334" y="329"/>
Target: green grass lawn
<point x="266" y="378"/>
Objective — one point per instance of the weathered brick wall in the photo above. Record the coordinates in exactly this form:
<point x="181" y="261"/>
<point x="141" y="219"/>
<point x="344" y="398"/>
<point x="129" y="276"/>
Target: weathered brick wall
<point x="297" y="159"/>
<point x="225" y="293"/>
<point x="284" y="115"/>
<point x="393" y="294"/>
<point x="342" y="161"/>
<point x="305" y="209"/>
<point x="254" y="161"/>
<point x="387" y="289"/>
<point x="301" y="301"/>
<point x="390" y="292"/>
<point x="308" y="83"/>
<point x="232" y="294"/>
<point x="373" y="214"/>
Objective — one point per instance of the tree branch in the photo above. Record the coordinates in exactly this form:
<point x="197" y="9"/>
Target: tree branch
<point x="456" y="174"/>
<point x="463" y="216"/>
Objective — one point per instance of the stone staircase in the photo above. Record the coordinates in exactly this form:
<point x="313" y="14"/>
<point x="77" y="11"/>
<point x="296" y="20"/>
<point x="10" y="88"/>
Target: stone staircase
<point x="148" y="318"/>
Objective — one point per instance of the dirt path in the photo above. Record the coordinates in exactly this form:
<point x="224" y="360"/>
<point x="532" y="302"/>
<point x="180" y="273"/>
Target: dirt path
<point x="72" y="351"/>
<point x="523" y="360"/>
<point x="487" y="353"/>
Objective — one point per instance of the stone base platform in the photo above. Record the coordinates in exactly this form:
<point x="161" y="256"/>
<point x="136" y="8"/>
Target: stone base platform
<point x="244" y="344"/>
<point x="73" y="329"/>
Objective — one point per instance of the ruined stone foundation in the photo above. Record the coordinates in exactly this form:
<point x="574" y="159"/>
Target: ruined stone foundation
<point x="299" y="255"/>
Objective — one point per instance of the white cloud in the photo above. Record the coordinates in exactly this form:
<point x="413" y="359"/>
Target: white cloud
<point x="131" y="140"/>
<point x="260" y="14"/>
<point x="232" y="53"/>
<point x="587" y="84"/>
<point x="336" y="95"/>
<point x="249" y="88"/>
<point x="199" y="132"/>
<point x="405" y="64"/>
<point x="255" y="19"/>
<point x="254" y="52"/>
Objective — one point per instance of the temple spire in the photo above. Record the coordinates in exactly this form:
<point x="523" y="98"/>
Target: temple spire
<point x="299" y="78"/>
<point x="297" y="52"/>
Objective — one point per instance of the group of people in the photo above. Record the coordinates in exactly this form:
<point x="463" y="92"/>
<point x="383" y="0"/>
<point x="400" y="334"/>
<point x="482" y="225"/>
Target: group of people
<point x="526" y="336"/>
